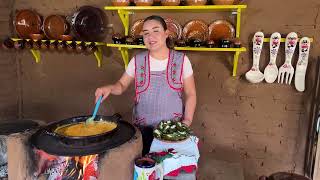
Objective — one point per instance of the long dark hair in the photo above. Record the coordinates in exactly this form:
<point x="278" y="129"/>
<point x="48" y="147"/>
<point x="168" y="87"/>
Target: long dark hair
<point x="163" y="23"/>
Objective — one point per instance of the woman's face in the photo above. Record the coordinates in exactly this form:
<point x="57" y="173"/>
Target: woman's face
<point x="154" y="35"/>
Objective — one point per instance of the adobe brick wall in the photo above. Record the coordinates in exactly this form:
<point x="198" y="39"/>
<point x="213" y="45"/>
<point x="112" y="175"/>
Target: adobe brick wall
<point x="263" y="127"/>
<point x="9" y="91"/>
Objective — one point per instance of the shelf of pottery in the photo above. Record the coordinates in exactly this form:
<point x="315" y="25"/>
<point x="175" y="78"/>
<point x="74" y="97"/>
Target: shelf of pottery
<point x="73" y="34"/>
<point x="207" y="37"/>
<point x="286" y="72"/>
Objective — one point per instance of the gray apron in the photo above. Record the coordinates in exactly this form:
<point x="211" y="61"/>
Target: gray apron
<point x="158" y="93"/>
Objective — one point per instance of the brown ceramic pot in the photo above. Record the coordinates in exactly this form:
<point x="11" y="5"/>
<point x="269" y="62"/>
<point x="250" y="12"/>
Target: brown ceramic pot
<point x="53" y="45"/>
<point x="8" y="43"/>
<point x="81" y="47"/>
<point x="91" y="48"/>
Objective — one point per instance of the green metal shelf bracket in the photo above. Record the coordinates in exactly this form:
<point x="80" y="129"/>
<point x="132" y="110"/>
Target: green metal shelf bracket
<point x="124" y="16"/>
<point x="235" y="63"/>
<point x="36" y="55"/>
<point x="125" y="56"/>
<point x="238" y="22"/>
<point x="98" y="55"/>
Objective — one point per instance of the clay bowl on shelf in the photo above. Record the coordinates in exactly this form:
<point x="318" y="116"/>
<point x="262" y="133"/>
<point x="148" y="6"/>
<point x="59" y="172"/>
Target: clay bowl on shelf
<point x="8" y="43"/>
<point x="65" y="37"/>
<point x="143" y="2"/>
<point x="170" y="2"/>
<point x="210" y="43"/>
<point x="118" y="39"/>
<point x="139" y="40"/>
<point x="91" y="48"/>
<point x="36" y="37"/>
<point x="19" y="44"/>
<point x="196" y="2"/>
<point x="181" y="43"/>
<point x="27" y="22"/>
<point x="120" y="2"/>
<point x="223" y="2"/>
<point x="195" y="42"/>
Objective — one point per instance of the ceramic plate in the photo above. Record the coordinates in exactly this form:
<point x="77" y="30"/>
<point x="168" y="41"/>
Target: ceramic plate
<point x="195" y="29"/>
<point x="27" y="22"/>
<point x="175" y="29"/>
<point x="221" y="29"/>
<point x="136" y="28"/>
<point x="54" y="26"/>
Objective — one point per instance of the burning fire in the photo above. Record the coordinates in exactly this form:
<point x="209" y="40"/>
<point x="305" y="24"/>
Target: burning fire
<point x="61" y="167"/>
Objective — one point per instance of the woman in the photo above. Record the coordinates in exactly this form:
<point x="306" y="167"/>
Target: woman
<point x="161" y="75"/>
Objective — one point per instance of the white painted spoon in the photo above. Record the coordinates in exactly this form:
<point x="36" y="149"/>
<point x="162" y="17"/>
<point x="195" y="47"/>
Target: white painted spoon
<point x="301" y="68"/>
<point x="271" y="71"/>
<point x="255" y="75"/>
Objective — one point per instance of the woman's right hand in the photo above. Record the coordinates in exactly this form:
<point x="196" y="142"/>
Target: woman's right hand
<point x="103" y="91"/>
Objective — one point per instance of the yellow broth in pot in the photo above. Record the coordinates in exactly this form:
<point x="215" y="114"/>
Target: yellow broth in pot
<point x="82" y="129"/>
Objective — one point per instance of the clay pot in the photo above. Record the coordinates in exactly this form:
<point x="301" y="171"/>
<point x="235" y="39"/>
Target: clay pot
<point x="117" y="38"/>
<point x="89" y="24"/>
<point x="91" y="48"/>
<point x="195" y="42"/>
<point x="54" y="45"/>
<point x="139" y="40"/>
<point x="28" y="44"/>
<point x="36" y="45"/>
<point x="19" y="44"/>
<point x="120" y="2"/>
<point x="223" y="2"/>
<point x="236" y="43"/>
<point x="129" y="40"/>
<point x="62" y="46"/>
<point x="72" y="46"/>
<point x="196" y="2"/>
<point x="45" y="45"/>
<point x="143" y="2"/>
<point x="81" y="47"/>
<point x="225" y="43"/>
<point x="181" y="43"/>
<point x="8" y="43"/>
<point x="170" y="2"/>
<point x="210" y="44"/>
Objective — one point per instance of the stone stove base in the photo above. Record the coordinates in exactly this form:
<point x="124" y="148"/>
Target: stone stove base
<point x="117" y="163"/>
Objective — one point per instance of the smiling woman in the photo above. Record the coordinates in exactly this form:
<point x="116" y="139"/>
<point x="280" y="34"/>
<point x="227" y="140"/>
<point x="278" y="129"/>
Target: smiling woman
<point x="161" y="76"/>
